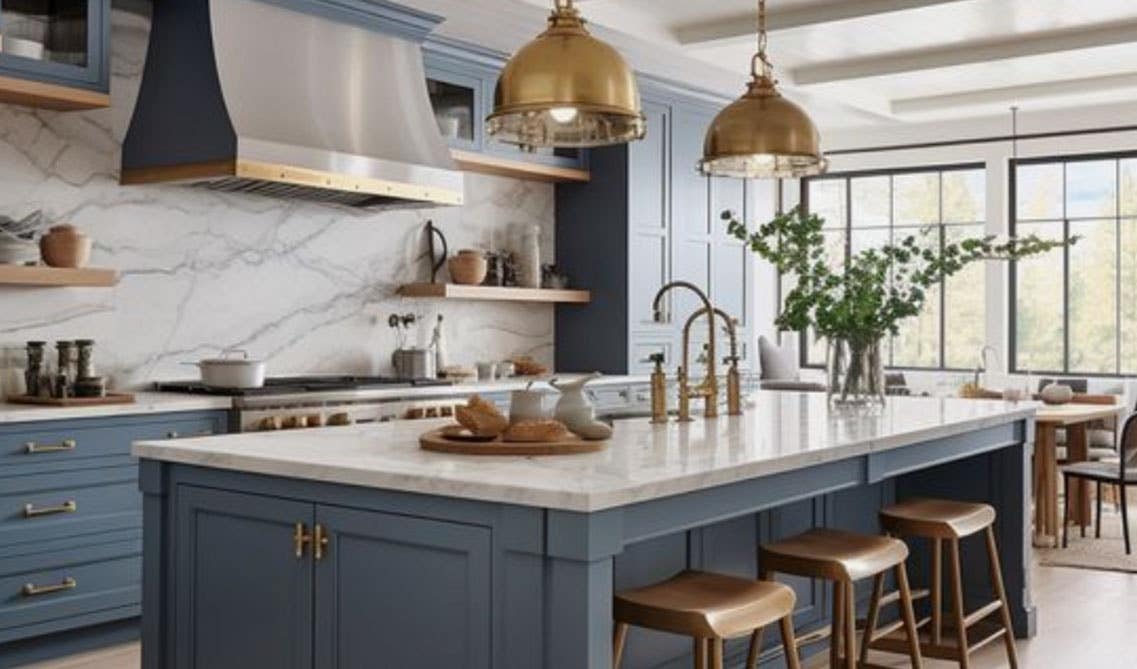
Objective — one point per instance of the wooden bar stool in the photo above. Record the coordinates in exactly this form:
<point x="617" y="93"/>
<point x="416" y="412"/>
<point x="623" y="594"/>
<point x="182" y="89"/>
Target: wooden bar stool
<point x="845" y="557"/>
<point x="949" y="521"/>
<point x="709" y="608"/>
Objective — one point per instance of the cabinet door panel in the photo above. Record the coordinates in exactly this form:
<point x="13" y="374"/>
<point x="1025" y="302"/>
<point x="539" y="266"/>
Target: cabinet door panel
<point x="396" y="591"/>
<point x="692" y="263"/>
<point x="243" y="597"/>
<point x="692" y="190"/>
<point x="647" y="168"/>
<point x="731" y="292"/>
<point x="648" y="273"/>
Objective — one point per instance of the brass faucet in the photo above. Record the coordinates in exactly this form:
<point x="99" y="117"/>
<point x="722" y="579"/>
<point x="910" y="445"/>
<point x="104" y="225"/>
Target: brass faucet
<point x="733" y="377"/>
<point x="708" y="389"/>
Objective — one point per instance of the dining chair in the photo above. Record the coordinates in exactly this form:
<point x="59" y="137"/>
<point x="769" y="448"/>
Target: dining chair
<point x="1121" y="473"/>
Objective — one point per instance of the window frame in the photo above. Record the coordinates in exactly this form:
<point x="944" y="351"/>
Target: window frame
<point x="847" y="177"/>
<point x="1012" y="292"/>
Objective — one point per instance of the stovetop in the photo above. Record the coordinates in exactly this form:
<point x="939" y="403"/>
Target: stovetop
<point x="289" y="385"/>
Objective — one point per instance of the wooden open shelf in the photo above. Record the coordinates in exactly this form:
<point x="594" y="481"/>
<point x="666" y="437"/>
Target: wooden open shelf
<point x="453" y="291"/>
<point x="38" y="275"/>
<point x="520" y="169"/>
<point x="50" y="96"/>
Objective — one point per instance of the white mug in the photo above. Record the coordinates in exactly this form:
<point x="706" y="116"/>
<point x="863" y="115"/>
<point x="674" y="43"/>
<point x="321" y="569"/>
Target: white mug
<point x="487" y="371"/>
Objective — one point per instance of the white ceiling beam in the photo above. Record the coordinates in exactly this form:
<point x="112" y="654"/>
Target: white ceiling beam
<point x="741" y="27"/>
<point x="1007" y="95"/>
<point x="967" y="53"/>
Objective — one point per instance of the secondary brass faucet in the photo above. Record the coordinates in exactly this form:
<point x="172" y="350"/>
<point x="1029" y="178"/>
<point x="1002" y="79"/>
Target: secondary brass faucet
<point x="709" y="388"/>
<point x="733" y="377"/>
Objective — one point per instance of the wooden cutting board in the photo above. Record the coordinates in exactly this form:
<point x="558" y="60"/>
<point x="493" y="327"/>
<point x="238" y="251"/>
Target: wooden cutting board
<point x="437" y="442"/>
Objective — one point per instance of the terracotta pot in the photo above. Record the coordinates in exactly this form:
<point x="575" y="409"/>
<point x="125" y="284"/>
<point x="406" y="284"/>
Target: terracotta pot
<point x="468" y="267"/>
<point x="64" y="246"/>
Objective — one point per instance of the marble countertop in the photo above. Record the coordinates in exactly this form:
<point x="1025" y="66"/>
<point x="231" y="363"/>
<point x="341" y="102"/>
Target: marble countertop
<point x="780" y="431"/>
<point x="144" y="402"/>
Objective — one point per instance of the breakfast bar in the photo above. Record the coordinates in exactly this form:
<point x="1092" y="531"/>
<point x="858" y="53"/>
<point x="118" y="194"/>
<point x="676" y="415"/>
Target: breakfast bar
<point x="347" y="544"/>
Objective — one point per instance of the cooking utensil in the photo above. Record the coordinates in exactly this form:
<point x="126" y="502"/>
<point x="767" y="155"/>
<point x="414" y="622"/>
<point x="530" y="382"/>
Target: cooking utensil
<point x="225" y="372"/>
<point x="436" y="260"/>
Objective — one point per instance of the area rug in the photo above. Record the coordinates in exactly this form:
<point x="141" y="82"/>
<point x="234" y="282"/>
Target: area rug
<point x="1106" y="554"/>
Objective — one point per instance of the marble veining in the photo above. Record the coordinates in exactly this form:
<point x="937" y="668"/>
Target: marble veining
<point x="778" y="432"/>
<point x="306" y="287"/>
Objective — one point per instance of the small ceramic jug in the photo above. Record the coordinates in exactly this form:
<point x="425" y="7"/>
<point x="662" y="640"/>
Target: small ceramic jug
<point x="64" y="246"/>
<point x="576" y="412"/>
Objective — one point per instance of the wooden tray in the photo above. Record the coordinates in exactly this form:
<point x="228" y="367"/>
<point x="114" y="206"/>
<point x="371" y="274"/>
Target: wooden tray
<point x="435" y="441"/>
<point x="111" y="398"/>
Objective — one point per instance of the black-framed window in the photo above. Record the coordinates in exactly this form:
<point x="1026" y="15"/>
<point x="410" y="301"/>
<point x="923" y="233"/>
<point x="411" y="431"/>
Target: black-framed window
<point x="1074" y="310"/>
<point x="938" y="204"/>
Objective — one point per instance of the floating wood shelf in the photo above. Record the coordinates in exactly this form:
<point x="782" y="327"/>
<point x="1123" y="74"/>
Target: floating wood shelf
<point x="520" y="169"/>
<point x="38" y="275"/>
<point x="452" y="291"/>
<point x="50" y="96"/>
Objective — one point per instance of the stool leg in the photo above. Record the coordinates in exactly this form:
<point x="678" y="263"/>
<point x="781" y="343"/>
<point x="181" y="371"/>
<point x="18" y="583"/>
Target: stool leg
<point x="716" y="653"/>
<point x="937" y="587"/>
<point x="837" y="626"/>
<point x="850" y="626"/>
<point x="755" y="648"/>
<point x="1097" y="521"/>
<point x="874" y="612"/>
<point x="1066" y="510"/>
<point x="909" y="616"/>
<point x="619" y="636"/>
<point x="996" y="567"/>
<point x="700" y="654"/>
<point x="789" y="644"/>
<point x="957" y="601"/>
<point x="1125" y="515"/>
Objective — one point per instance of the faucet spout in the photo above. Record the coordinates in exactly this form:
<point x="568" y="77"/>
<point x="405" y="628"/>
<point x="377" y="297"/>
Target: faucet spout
<point x="734" y="383"/>
<point x="709" y="387"/>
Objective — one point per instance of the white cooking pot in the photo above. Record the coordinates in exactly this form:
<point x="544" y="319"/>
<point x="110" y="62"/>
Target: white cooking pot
<point x="226" y="372"/>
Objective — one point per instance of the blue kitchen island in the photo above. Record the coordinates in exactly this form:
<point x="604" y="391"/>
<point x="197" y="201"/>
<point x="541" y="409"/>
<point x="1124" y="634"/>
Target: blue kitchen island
<point x="351" y="547"/>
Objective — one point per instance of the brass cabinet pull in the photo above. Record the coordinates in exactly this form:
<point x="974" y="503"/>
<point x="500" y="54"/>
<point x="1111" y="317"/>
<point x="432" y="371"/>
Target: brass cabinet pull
<point x="33" y="590"/>
<point x="300" y="538"/>
<point x="320" y="542"/>
<point x="32" y="448"/>
<point x="30" y="511"/>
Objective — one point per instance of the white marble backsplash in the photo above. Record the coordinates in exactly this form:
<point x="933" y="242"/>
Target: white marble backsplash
<point x="306" y="287"/>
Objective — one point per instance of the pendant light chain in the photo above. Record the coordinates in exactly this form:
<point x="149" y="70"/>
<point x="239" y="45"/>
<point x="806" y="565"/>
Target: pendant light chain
<point x="767" y="69"/>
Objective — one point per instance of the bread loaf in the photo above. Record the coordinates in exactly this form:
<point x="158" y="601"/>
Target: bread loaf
<point x="536" y="430"/>
<point x="481" y="417"/>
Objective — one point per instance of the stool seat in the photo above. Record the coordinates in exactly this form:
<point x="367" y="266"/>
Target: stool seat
<point x="833" y="555"/>
<point x="937" y="518"/>
<point x="703" y="604"/>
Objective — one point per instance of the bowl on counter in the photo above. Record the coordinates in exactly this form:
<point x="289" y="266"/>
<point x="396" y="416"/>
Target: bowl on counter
<point x="17" y="250"/>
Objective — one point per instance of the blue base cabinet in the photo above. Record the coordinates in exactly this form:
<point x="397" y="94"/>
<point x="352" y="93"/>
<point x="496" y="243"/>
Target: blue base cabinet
<point x="255" y="589"/>
<point x="71" y="527"/>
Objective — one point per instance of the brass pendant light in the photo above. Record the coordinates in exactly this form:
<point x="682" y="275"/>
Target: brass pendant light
<point x="566" y="89"/>
<point x="762" y="134"/>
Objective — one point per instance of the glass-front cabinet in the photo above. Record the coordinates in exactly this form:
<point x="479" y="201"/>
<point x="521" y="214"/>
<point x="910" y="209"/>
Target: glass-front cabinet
<point x="461" y="79"/>
<point x="60" y="44"/>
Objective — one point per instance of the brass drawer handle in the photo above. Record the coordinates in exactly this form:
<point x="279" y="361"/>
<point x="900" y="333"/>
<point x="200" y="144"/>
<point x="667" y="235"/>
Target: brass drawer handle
<point x="174" y="434"/>
<point x="33" y="590"/>
<point x="30" y="511"/>
<point x="320" y="542"/>
<point x="300" y="537"/>
<point x="32" y="448"/>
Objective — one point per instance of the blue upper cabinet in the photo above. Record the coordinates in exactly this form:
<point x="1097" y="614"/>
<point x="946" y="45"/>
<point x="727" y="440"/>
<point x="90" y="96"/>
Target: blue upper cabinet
<point x="460" y="80"/>
<point x="55" y="53"/>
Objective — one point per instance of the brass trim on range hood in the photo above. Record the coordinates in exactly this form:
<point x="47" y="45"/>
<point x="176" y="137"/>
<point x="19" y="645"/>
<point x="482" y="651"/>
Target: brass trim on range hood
<point x="290" y="99"/>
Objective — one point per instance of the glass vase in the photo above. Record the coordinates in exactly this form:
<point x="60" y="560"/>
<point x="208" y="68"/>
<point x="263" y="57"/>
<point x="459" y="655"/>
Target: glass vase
<point x="855" y="371"/>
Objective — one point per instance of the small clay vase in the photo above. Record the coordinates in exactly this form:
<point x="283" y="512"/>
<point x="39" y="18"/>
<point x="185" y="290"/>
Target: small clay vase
<point x="468" y="267"/>
<point x="64" y="246"/>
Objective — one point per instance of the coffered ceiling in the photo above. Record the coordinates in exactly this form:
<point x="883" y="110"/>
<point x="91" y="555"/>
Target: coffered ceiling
<point x="864" y="62"/>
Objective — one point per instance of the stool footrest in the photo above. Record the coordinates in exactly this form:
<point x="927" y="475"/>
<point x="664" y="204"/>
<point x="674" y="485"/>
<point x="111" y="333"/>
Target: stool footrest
<point x="978" y="636"/>
<point x="982" y="612"/>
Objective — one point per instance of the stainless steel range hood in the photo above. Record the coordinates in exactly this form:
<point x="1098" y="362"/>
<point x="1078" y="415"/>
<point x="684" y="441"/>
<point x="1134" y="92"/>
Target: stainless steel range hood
<point x="312" y="99"/>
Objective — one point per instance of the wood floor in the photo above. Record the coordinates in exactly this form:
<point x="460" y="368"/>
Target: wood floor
<point x="1087" y="620"/>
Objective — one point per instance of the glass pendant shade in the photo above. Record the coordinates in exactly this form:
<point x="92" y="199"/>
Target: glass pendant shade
<point x="566" y="89"/>
<point x="762" y="134"/>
